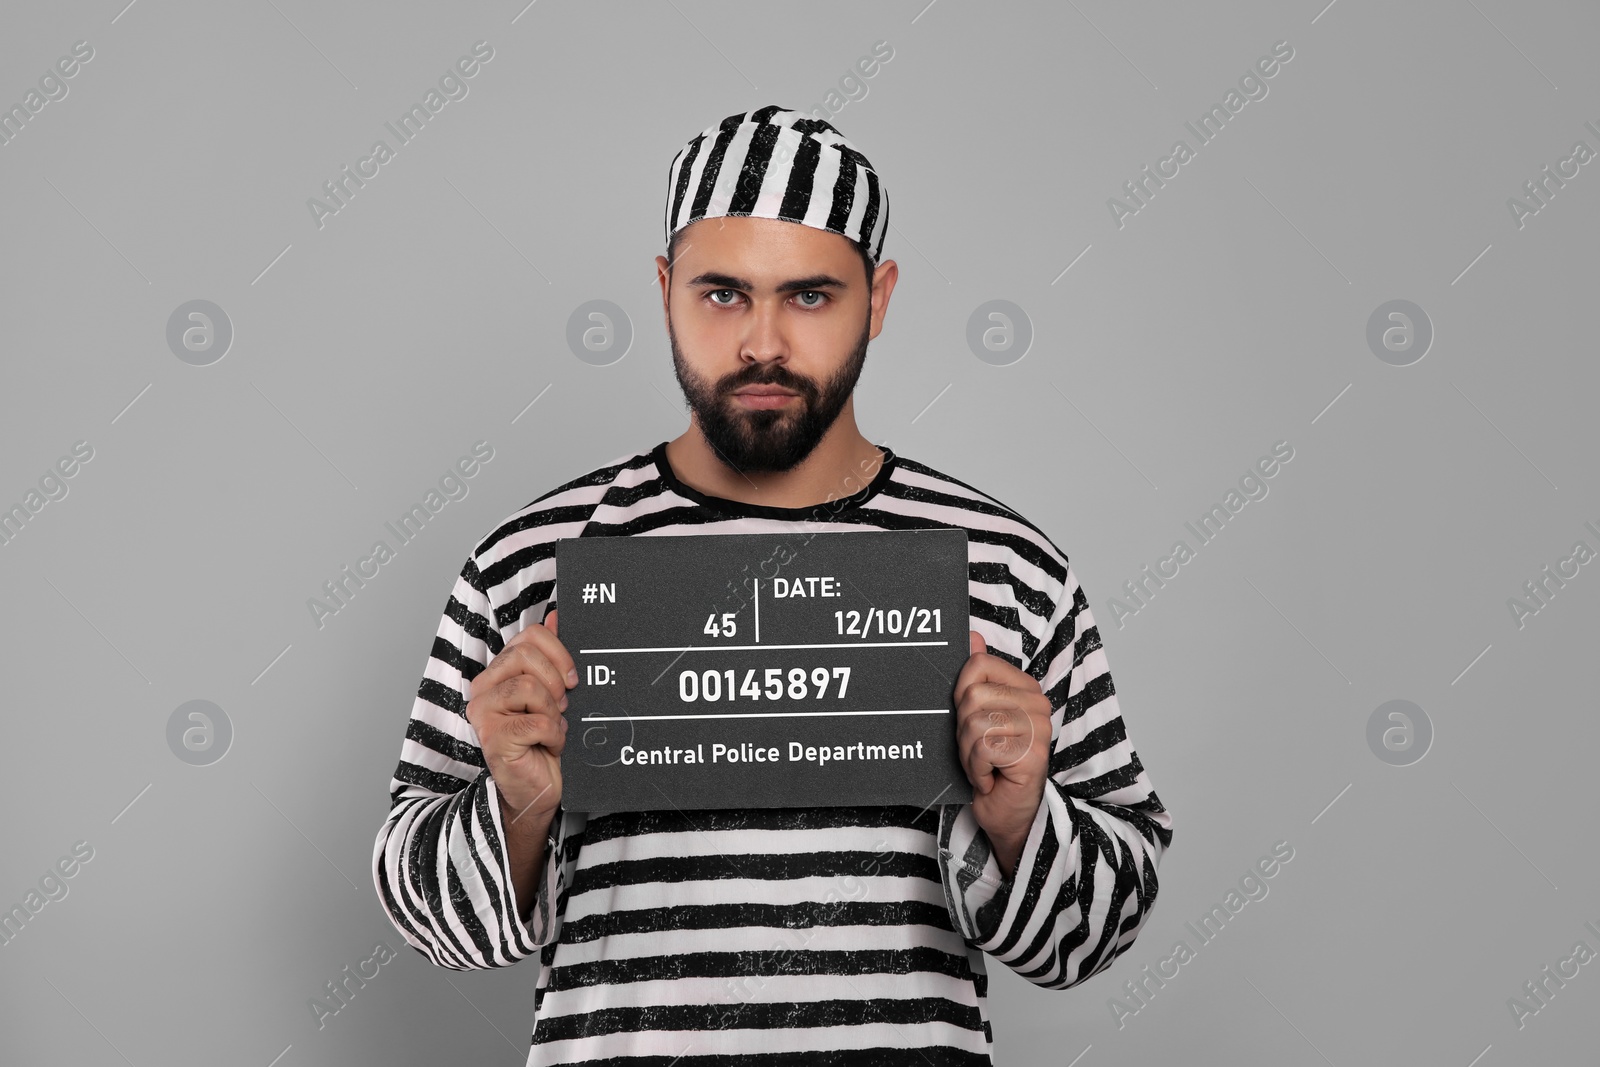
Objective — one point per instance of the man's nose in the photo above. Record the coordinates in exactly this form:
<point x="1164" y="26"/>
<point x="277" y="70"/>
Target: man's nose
<point x="764" y="342"/>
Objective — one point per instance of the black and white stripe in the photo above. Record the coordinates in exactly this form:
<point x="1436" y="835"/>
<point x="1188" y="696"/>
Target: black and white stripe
<point x="825" y="935"/>
<point x="774" y="163"/>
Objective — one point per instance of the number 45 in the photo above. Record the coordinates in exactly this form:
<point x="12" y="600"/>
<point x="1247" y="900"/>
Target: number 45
<point x="727" y="629"/>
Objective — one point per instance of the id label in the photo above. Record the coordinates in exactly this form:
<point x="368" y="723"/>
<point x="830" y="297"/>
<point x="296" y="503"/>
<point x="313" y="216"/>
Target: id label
<point x="763" y="670"/>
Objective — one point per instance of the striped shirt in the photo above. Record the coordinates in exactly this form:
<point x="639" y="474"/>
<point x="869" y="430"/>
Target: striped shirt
<point x="774" y="936"/>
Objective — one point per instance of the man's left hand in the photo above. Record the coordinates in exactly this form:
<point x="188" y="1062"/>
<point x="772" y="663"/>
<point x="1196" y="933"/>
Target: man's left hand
<point x="1003" y="738"/>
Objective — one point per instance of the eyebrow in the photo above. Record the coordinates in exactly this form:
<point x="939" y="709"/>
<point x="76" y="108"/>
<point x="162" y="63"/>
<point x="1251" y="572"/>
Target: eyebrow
<point x="795" y="285"/>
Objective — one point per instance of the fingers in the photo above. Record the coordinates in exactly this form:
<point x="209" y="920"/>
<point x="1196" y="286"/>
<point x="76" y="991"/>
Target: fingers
<point x="522" y="734"/>
<point x="1002" y="715"/>
<point x="527" y="693"/>
<point x="544" y="640"/>
<point x="985" y="667"/>
<point x="507" y="736"/>
<point x="534" y="650"/>
<point x="986" y="699"/>
<point x="530" y="731"/>
<point x="995" y="737"/>
<point x="993" y="749"/>
<point x="979" y="770"/>
<point x="514" y="697"/>
<point x="998" y="723"/>
<point x="515" y="707"/>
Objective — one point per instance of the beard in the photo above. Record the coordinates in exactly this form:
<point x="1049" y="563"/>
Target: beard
<point x="770" y="439"/>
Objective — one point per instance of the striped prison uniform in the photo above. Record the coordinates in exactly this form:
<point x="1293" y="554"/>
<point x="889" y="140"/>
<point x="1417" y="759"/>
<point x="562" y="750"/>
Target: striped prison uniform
<point x="774" y="936"/>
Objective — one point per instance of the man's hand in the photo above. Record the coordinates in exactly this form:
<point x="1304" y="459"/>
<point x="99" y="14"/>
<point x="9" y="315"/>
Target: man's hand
<point x="1003" y="738"/>
<point x="515" y="706"/>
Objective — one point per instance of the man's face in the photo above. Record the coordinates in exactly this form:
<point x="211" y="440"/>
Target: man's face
<point x="769" y="323"/>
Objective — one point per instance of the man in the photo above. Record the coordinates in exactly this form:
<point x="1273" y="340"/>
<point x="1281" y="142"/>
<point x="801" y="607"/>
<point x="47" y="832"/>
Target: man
<point x="821" y="935"/>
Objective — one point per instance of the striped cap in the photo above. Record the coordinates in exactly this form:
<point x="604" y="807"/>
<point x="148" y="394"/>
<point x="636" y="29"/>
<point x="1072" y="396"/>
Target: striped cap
<point x="773" y="163"/>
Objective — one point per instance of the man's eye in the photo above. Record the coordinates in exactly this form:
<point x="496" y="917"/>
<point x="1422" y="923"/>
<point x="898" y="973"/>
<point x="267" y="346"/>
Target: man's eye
<point x="812" y="292"/>
<point x="714" y="292"/>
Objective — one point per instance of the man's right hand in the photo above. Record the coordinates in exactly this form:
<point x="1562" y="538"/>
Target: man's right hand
<point x="515" y="706"/>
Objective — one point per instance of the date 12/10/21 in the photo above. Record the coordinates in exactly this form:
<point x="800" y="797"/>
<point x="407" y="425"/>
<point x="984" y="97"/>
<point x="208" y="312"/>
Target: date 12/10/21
<point x="891" y="623"/>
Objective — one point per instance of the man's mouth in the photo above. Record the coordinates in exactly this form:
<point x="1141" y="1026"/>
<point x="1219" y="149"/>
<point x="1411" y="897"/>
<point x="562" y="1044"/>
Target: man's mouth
<point x="764" y="396"/>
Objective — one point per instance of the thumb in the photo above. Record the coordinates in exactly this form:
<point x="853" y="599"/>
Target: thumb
<point x="975" y="643"/>
<point x="550" y="622"/>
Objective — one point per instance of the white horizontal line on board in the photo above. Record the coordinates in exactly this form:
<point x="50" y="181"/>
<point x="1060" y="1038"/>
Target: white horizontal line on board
<point x="734" y="648"/>
<point x="758" y="715"/>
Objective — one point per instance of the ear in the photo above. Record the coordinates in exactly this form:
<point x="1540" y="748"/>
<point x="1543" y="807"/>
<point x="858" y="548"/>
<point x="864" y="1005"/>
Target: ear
<point x="663" y="281"/>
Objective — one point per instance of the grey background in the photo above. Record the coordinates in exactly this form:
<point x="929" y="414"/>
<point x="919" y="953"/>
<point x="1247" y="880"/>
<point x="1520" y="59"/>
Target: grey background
<point x="1228" y="314"/>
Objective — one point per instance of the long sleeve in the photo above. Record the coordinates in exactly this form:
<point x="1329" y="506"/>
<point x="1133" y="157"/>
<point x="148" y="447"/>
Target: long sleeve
<point x="1086" y="878"/>
<point x="440" y="861"/>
